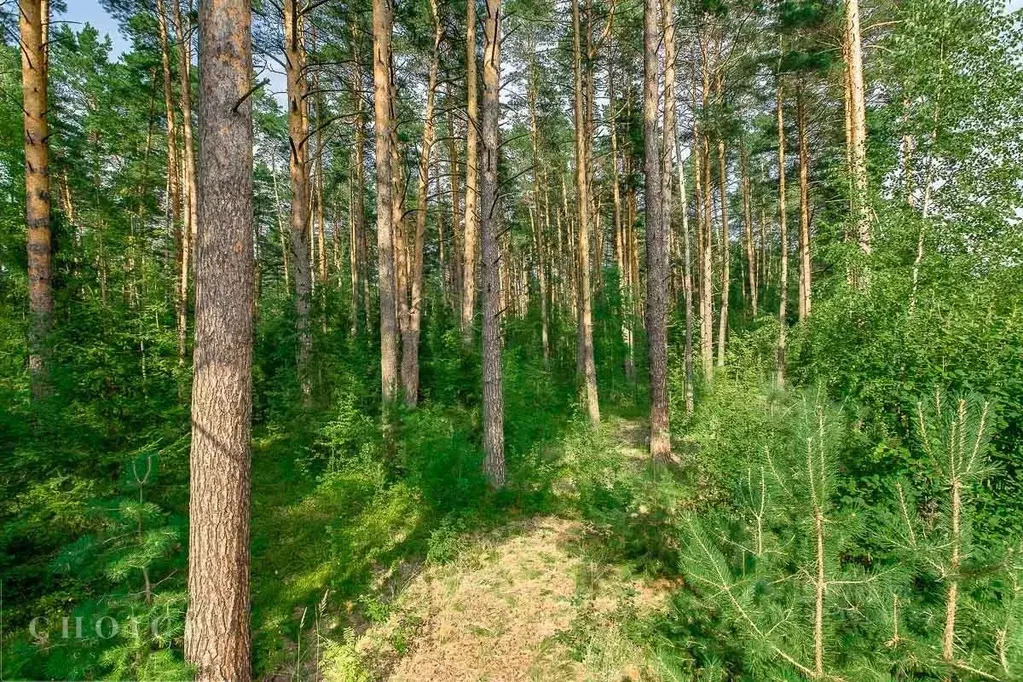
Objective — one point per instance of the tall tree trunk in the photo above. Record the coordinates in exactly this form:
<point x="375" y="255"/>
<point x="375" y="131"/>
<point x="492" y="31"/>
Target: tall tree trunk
<point x="621" y="256"/>
<point x="805" y="272"/>
<point x="217" y="639"/>
<point x="354" y="262"/>
<point x="493" y="398"/>
<point x="410" y="336"/>
<point x="187" y="165"/>
<point x="471" y="221"/>
<point x="747" y="219"/>
<point x="181" y="240"/>
<point x="707" y="276"/>
<point x="588" y="369"/>
<point x="656" y="238"/>
<point x="858" y="123"/>
<point x="384" y="122"/>
<point x="280" y="223"/>
<point x="457" y="217"/>
<point x="359" y="206"/>
<point x="783" y="239"/>
<point x="538" y="231"/>
<point x="725" y="253"/>
<point x="298" y="137"/>
<point x="37" y="188"/>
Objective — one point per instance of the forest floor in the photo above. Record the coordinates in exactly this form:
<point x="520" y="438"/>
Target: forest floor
<point x="545" y="595"/>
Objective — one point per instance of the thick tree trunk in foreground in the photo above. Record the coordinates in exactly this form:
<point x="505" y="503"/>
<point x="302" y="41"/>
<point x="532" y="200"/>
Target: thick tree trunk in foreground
<point x="471" y="234"/>
<point x="385" y="228"/>
<point x="37" y="188"/>
<point x="493" y="397"/>
<point x="783" y="237"/>
<point x="588" y="369"/>
<point x="858" y="123"/>
<point x="298" y="134"/>
<point x="217" y="639"/>
<point x="656" y="242"/>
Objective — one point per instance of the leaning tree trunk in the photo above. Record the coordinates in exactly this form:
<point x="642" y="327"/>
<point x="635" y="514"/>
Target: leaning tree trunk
<point x="37" y="188"/>
<point x="298" y="137"/>
<point x="493" y="398"/>
<point x="588" y="369"/>
<point x="657" y="243"/>
<point x="471" y="235"/>
<point x="217" y="639"/>
<point x="385" y="227"/>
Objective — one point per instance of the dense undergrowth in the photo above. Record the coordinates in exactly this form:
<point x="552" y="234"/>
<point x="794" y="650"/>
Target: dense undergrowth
<point x="95" y="518"/>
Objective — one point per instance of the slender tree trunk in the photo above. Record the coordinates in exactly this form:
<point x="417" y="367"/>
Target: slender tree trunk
<point x="280" y="223"/>
<point x="493" y="398"/>
<point x="37" y="189"/>
<point x="747" y="215"/>
<point x="359" y="206"/>
<point x="783" y="238"/>
<point x="726" y="251"/>
<point x="181" y="240"/>
<point x="538" y="232"/>
<point x="457" y="217"/>
<point x="354" y="263"/>
<point x="656" y="237"/>
<point x="382" y="102"/>
<point x="298" y="134"/>
<point x="587" y="370"/>
<point x="471" y="221"/>
<point x="707" y="278"/>
<point x="410" y="337"/>
<point x="805" y="271"/>
<point x="217" y="639"/>
<point x="858" y="123"/>
<point x="621" y="256"/>
<point x="669" y="133"/>
<point x="187" y="167"/>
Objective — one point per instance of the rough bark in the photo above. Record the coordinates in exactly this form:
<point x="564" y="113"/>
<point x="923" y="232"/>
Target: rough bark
<point x="217" y="639"/>
<point x="31" y="23"/>
<point x="493" y="398"/>
<point x="587" y="369"/>
<point x="471" y="234"/>
<point x="656" y="240"/>
<point x="384" y="122"/>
